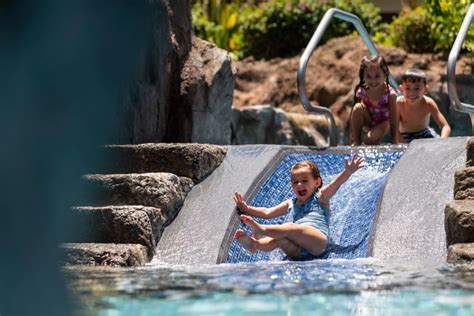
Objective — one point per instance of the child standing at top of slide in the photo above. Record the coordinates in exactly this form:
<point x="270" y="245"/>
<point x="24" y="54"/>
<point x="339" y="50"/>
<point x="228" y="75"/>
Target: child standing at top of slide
<point x="415" y="108"/>
<point x="375" y="103"/>
<point x="307" y="236"/>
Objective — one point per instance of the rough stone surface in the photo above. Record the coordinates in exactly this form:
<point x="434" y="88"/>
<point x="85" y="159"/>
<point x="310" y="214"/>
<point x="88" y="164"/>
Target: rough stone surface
<point x="195" y="161"/>
<point x="461" y="253"/>
<point x="470" y="152"/>
<point x="115" y="255"/>
<point x="332" y="74"/>
<point x="459" y="222"/>
<point x="183" y="86"/>
<point x="464" y="184"/>
<point x="129" y="224"/>
<point x="165" y="191"/>
<point x="264" y="124"/>
<point x="203" y="110"/>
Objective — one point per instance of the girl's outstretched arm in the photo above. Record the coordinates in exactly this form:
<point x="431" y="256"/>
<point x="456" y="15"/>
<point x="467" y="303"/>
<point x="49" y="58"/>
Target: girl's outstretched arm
<point x="263" y="212"/>
<point x="329" y="190"/>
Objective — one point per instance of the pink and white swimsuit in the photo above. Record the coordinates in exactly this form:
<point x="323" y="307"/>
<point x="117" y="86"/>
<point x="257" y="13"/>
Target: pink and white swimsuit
<point x="378" y="112"/>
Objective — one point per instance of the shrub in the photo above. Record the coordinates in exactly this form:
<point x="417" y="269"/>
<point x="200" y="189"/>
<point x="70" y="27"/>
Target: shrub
<point x="431" y="28"/>
<point x="216" y="22"/>
<point x="446" y="18"/>
<point x="275" y="28"/>
<point x="283" y="28"/>
<point x="409" y="31"/>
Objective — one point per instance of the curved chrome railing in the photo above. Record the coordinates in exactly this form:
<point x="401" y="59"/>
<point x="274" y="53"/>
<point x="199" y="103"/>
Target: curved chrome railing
<point x="453" y="56"/>
<point x="318" y="34"/>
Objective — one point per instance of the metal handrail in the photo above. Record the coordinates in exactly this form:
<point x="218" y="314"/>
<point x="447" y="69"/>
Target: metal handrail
<point x="453" y="56"/>
<point x="318" y="34"/>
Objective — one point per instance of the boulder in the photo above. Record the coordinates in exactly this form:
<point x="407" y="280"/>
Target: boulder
<point x="115" y="255"/>
<point x="264" y="124"/>
<point x="461" y="253"/>
<point x="182" y="87"/>
<point x="202" y="111"/>
<point x="165" y="191"/>
<point x="459" y="222"/>
<point x="195" y="161"/>
<point x="464" y="184"/>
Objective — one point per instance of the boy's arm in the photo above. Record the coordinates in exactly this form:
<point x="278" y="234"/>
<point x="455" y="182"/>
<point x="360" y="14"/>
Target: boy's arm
<point x="394" y="118"/>
<point x="399" y="104"/>
<point x="329" y="190"/>
<point x="263" y="212"/>
<point x="439" y="118"/>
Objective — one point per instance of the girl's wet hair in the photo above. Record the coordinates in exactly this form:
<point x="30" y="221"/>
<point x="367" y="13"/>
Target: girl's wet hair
<point x="312" y="166"/>
<point x="414" y="75"/>
<point x="366" y="62"/>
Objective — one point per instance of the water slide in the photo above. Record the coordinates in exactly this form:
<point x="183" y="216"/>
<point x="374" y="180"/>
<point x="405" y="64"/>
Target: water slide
<point x="406" y="186"/>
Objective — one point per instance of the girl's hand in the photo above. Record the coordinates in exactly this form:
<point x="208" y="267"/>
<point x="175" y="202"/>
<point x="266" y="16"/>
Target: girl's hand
<point x="242" y="206"/>
<point x="354" y="165"/>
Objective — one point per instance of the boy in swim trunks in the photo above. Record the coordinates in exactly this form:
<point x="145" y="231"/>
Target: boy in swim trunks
<point x="414" y="109"/>
<point x="307" y="236"/>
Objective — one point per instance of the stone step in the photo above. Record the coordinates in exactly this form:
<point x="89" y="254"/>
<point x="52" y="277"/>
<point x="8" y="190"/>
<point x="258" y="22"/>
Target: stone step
<point x="470" y="152"/>
<point x="464" y="184"/>
<point x="459" y="222"/>
<point x="165" y="191"/>
<point x="96" y="254"/>
<point x="194" y="161"/>
<point x="461" y="253"/>
<point x="127" y="224"/>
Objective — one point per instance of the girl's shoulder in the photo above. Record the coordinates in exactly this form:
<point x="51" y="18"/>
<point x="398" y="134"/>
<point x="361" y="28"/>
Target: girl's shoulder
<point x="361" y="92"/>
<point x="391" y="91"/>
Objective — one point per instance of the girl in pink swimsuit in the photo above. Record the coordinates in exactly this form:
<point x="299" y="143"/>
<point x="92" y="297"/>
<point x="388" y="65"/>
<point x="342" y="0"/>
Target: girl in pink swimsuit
<point x="375" y="104"/>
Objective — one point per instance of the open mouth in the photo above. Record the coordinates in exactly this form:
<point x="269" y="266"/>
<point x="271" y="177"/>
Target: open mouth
<point x="302" y="192"/>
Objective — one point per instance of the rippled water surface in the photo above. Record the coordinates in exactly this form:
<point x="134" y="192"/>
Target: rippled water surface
<point x="320" y="287"/>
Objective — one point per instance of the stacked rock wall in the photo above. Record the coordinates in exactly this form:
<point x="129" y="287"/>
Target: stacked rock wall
<point x="459" y="213"/>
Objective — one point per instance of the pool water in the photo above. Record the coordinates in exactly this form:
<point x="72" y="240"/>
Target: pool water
<point x="320" y="287"/>
<point x="342" y="283"/>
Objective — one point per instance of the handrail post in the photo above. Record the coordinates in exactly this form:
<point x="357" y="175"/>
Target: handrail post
<point x="451" y="72"/>
<point x="313" y="43"/>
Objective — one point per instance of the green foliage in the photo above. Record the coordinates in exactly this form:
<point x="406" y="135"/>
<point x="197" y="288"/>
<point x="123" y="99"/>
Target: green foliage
<point x="283" y="28"/>
<point x="409" y="31"/>
<point x="446" y="18"/>
<point x="433" y="27"/>
<point x="216" y="22"/>
<point x="275" y="27"/>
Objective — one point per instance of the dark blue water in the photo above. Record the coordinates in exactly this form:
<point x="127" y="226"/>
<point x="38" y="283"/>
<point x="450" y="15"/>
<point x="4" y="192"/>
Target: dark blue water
<point x="353" y="207"/>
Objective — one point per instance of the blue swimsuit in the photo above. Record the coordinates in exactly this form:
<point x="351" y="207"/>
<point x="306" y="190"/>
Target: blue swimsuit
<point x="310" y="213"/>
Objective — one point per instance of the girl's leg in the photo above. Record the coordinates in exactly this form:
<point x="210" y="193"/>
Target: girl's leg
<point x="305" y="236"/>
<point x="376" y="133"/>
<point x="360" y="117"/>
<point x="267" y="244"/>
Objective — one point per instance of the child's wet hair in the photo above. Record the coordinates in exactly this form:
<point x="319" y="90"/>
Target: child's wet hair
<point x="365" y="63"/>
<point x="414" y="75"/>
<point x="312" y="166"/>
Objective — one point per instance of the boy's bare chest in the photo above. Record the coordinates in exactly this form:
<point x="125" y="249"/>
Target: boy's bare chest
<point x="410" y="112"/>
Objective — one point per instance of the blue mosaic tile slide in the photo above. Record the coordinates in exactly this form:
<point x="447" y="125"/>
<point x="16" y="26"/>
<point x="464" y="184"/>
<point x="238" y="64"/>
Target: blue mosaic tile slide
<point x="353" y="207"/>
